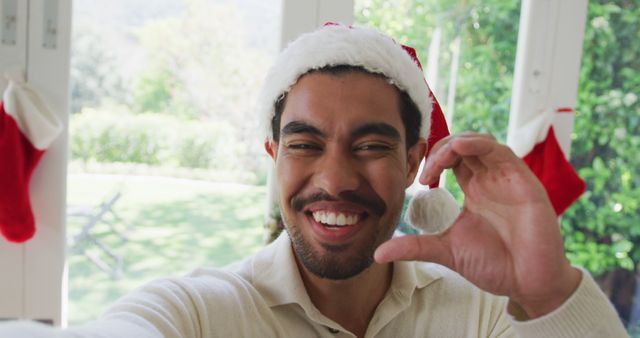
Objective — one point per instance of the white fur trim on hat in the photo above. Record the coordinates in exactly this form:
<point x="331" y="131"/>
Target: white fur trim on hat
<point x="335" y="45"/>
<point x="432" y="211"/>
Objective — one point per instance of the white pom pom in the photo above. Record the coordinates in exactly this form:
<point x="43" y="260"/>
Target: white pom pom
<point x="432" y="211"/>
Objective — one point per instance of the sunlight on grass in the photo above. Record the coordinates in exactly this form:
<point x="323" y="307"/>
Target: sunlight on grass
<point x="177" y="226"/>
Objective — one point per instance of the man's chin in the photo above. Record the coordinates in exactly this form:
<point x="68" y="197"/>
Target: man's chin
<point x="335" y="262"/>
<point x="338" y="271"/>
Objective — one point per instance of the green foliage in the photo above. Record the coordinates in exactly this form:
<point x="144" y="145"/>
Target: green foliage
<point x="197" y="63"/>
<point x="153" y="91"/>
<point x="488" y="31"/>
<point x="601" y="230"/>
<point x="95" y="73"/>
<point x="110" y="135"/>
<point x="113" y="137"/>
<point x="200" y="65"/>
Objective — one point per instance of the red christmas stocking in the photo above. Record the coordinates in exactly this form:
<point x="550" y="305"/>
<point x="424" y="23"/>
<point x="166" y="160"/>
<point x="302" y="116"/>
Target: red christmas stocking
<point x="548" y="163"/>
<point x="534" y="140"/>
<point x="27" y="128"/>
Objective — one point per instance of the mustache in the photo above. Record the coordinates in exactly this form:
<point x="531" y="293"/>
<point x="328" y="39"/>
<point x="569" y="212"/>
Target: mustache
<point x="374" y="205"/>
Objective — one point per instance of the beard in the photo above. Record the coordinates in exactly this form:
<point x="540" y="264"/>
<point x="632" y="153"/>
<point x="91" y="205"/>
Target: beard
<point x="334" y="263"/>
<point x="339" y="262"/>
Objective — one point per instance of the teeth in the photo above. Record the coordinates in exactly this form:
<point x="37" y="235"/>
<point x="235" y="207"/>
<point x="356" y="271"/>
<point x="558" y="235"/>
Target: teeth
<point x="336" y="219"/>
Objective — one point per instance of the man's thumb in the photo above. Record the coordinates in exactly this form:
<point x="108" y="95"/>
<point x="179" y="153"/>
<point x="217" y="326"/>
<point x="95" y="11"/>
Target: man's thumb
<point x="428" y="248"/>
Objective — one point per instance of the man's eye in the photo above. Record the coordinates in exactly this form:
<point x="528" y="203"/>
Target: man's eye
<point x="373" y="147"/>
<point x="303" y="146"/>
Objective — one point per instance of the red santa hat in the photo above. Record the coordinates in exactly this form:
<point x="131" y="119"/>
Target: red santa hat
<point x="335" y="45"/>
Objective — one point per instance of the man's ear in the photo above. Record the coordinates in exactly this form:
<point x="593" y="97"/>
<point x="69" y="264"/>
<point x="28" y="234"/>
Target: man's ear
<point x="272" y="148"/>
<point x="415" y="154"/>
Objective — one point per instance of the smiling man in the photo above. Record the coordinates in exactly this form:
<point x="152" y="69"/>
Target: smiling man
<point x="349" y="118"/>
<point x="343" y="160"/>
<point x="344" y="165"/>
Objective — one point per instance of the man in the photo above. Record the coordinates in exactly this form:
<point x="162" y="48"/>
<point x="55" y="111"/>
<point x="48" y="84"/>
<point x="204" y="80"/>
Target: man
<point x="348" y="116"/>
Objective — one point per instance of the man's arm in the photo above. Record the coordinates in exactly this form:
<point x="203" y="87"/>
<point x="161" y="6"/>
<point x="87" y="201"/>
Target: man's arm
<point x="208" y="303"/>
<point x="586" y="313"/>
<point x="98" y="329"/>
<point x="159" y="309"/>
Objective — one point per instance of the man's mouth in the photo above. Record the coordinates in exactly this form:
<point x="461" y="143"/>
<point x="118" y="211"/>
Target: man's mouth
<point x="335" y="226"/>
<point x="335" y="219"/>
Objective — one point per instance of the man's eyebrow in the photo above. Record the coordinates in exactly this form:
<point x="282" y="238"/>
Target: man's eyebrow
<point x="378" y="128"/>
<point x="298" y="127"/>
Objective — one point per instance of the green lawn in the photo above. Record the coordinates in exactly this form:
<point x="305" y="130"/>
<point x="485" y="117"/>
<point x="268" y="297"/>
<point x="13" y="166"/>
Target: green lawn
<point x="177" y="225"/>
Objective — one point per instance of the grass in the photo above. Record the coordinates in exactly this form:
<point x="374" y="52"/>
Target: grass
<point x="177" y="226"/>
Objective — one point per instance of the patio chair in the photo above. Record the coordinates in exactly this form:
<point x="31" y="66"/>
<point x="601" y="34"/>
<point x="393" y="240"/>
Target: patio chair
<point x="90" y="217"/>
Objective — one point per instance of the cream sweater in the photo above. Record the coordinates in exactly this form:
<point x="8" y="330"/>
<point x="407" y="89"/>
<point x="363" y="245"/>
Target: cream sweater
<point x="263" y="296"/>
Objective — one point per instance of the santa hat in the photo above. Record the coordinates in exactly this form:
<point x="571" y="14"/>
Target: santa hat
<point x="335" y="45"/>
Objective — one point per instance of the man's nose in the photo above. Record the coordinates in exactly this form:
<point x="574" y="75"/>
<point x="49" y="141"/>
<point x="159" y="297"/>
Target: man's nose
<point x="336" y="172"/>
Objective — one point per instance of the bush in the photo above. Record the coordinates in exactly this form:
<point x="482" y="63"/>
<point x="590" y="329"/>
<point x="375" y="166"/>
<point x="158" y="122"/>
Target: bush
<point x="113" y="135"/>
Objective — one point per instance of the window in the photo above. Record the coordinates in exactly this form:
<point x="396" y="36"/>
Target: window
<point x="166" y="172"/>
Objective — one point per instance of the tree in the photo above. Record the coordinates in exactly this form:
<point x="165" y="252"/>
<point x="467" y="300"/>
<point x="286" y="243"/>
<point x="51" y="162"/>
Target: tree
<point x="95" y="72"/>
<point x="200" y="64"/>
<point x="489" y="31"/>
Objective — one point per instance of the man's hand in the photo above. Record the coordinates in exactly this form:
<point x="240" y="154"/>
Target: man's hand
<point x="507" y="239"/>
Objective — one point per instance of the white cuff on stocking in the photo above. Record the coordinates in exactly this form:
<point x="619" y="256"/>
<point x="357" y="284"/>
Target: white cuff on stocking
<point x="35" y="120"/>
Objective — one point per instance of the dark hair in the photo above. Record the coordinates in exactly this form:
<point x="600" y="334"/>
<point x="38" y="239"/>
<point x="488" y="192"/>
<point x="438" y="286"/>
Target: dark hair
<point x="409" y="112"/>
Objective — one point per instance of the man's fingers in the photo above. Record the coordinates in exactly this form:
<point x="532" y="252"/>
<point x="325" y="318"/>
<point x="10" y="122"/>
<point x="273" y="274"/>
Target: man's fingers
<point x="474" y="164"/>
<point x="442" y="158"/>
<point x="486" y="150"/>
<point x="463" y="175"/>
<point x="468" y="154"/>
<point x="444" y="155"/>
<point x="473" y="146"/>
<point x="415" y="247"/>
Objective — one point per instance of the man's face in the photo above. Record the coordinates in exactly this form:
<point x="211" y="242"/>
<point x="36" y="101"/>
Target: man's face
<point x="342" y="168"/>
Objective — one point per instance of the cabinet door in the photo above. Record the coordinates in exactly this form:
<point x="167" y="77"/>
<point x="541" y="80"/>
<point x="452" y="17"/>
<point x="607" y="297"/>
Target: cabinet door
<point x="32" y="286"/>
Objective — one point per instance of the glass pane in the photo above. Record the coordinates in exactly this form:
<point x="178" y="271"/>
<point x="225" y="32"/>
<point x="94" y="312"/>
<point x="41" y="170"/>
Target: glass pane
<point x="166" y="172"/>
